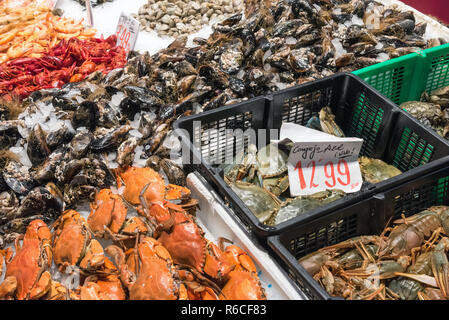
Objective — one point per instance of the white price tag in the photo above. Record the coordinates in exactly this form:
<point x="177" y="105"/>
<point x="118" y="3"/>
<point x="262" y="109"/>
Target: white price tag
<point x="127" y="32"/>
<point x="319" y="161"/>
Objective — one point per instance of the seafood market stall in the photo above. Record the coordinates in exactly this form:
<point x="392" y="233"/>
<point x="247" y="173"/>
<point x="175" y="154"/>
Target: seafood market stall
<point x="223" y="150"/>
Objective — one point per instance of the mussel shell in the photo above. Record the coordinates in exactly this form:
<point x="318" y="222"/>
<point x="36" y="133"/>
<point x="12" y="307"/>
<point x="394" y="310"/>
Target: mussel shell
<point x="129" y="107"/>
<point x="145" y="97"/>
<point x="86" y="115"/>
<point x="237" y="85"/>
<point x="18" y="178"/>
<point x="64" y="103"/>
<point x="42" y="201"/>
<point x="59" y="137"/>
<point x="175" y="174"/>
<point x="111" y="139"/>
<point x="80" y="144"/>
<point x="37" y="148"/>
<point x="45" y="172"/>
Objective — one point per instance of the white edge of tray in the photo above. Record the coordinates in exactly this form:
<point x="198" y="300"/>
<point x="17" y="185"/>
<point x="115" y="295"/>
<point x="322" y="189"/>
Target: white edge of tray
<point x="215" y="218"/>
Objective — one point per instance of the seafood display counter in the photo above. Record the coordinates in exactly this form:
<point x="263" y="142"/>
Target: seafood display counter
<point x="96" y="202"/>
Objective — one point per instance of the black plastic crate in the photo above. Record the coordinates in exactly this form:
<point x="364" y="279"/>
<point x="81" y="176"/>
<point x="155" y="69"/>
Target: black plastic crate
<point x="389" y="134"/>
<point x="368" y="217"/>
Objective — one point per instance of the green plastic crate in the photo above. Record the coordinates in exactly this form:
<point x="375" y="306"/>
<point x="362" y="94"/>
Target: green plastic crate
<point x="407" y="77"/>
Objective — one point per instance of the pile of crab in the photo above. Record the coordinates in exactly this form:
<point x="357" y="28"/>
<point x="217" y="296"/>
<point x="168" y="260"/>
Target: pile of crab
<point x="158" y="253"/>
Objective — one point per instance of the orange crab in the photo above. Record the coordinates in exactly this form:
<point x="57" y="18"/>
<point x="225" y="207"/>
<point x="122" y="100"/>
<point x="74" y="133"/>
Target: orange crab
<point x="187" y="245"/>
<point x="73" y="244"/>
<point x="147" y="184"/>
<point x="242" y="283"/>
<point x="31" y="263"/>
<point x="149" y="273"/>
<point x="107" y="287"/>
<point x="107" y="212"/>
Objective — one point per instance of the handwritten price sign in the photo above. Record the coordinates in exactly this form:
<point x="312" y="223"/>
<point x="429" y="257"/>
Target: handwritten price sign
<point x="319" y="161"/>
<point x="127" y="32"/>
<point x="317" y="166"/>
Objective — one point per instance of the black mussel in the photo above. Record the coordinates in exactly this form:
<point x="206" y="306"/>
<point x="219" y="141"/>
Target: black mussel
<point x="8" y="205"/>
<point x="216" y="102"/>
<point x="66" y="170"/>
<point x="9" y="133"/>
<point x="154" y="162"/>
<point x="153" y="143"/>
<point x="356" y="33"/>
<point x="109" y="117"/>
<point x="16" y="227"/>
<point x="3" y="185"/>
<point x="129" y="107"/>
<point x="300" y="60"/>
<point x="79" y="146"/>
<point x="287" y="77"/>
<point x="232" y="20"/>
<point x="264" y="44"/>
<point x="18" y="178"/>
<point x="111" y="90"/>
<point x="111" y="139"/>
<point x="45" y="172"/>
<point x="214" y="77"/>
<point x="286" y="28"/>
<point x="237" y="85"/>
<point x="74" y="194"/>
<point x="231" y="60"/>
<point x="125" y="152"/>
<point x="420" y="29"/>
<point x="64" y="103"/>
<point x="146" y="98"/>
<point x="60" y="136"/>
<point x="170" y="86"/>
<point x="299" y="6"/>
<point x="47" y="201"/>
<point x="401" y="28"/>
<point x="86" y="115"/>
<point x="185" y="84"/>
<point x="344" y="60"/>
<point x="184" y="68"/>
<point x="175" y="174"/>
<point x="146" y="126"/>
<point x="37" y="148"/>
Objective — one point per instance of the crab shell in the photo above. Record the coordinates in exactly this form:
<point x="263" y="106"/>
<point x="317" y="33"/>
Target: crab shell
<point x="187" y="245"/>
<point x="148" y="272"/>
<point x="242" y="285"/>
<point x="73" y="244"/>
<point x="102" y="288"/>
<point x="108" y="210"/>
<point x="31" y="262"/>
<point x="135" y="179"/>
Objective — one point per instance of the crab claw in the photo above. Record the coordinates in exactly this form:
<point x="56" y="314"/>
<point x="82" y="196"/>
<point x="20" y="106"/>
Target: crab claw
<point x="8" y="287"/>
<point x="94" y="256"/>
<point x="175" y="192"/>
